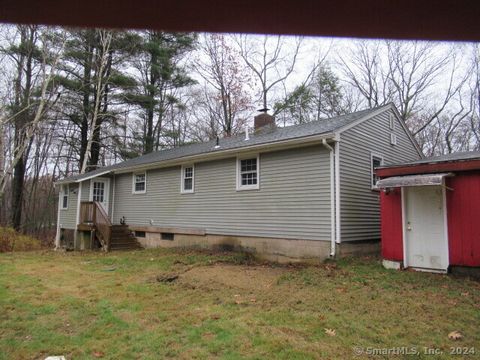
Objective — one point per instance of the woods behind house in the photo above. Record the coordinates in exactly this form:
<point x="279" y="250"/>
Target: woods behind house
<point x="72" y="100"/>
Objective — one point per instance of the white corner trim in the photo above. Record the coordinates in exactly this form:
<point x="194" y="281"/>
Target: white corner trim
<point x="134" y="174"/>
<point x="182" y="179"/>
<point x="79" y="199"/>
<point x="238" y="182"/>
<point x="113" y="198"/>
<point x="404" y="227"/>
<point x="57" y="237"/>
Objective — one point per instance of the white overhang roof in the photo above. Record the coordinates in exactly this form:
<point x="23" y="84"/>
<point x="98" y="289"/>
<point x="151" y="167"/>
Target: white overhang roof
<point x="412" y="180"/>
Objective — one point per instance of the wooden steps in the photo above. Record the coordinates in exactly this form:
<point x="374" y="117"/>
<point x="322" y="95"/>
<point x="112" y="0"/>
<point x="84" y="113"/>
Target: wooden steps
<point x="122" y="239"/>
<point x="111" y="237"/>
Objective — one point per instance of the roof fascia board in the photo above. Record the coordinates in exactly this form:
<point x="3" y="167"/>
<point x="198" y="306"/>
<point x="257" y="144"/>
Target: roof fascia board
<point x="405" y="128"/>
<point x="278" y="145"/>
<point x="392" y="107"/>
<point x="362" y="119"/>
<point x="65" y="181"/>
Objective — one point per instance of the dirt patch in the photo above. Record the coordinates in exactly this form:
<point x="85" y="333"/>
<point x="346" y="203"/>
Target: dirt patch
<point x="241" y="277"/>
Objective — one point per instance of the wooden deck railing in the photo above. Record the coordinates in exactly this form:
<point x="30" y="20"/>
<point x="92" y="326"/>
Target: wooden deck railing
<point x="93" y="214"/>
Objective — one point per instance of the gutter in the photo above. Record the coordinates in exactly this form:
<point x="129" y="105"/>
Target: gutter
<point x="222" y="154"/>
<point x="211" y="155"/>
<point x="333" y="188"/>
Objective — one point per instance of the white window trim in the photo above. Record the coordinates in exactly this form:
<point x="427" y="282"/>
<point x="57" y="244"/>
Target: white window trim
<point x="65" y="191"/>
<point x="241" y="187"/>
<point x="378" y="156"/>
<point x="133" y="182"/>
<point x="182" y="179"/>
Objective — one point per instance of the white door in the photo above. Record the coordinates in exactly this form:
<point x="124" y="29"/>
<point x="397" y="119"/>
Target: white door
<point x="426" y="244"/>
<point x="99" y="190"/>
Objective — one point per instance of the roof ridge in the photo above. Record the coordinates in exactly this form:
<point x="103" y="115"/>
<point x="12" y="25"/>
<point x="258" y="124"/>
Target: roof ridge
<point x="317" y="127"/>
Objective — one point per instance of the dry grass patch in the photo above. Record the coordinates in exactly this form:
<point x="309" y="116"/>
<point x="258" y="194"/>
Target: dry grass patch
<point x="10" y="240"/>
<point x="223" y="305"/>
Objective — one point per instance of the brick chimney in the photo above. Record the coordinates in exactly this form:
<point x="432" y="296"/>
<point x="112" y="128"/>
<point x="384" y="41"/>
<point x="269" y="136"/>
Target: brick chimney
<point x="264" y="121"/>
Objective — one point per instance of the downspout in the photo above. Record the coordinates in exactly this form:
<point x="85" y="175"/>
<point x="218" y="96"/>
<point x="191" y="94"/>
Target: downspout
<point x="113" y="199"/>
<point x="332" y="197"/>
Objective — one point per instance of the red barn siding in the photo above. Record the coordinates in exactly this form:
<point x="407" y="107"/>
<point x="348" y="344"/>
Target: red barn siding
<point x="463" y="212"/>
<point x="392" y="234"/>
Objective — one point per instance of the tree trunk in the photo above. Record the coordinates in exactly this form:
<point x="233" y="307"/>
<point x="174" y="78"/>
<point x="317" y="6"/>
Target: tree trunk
<point x="20" y="122"/>
<point x="2" y="174"/>
<point x="17" y="193"/>
<point x="86" y="88"/>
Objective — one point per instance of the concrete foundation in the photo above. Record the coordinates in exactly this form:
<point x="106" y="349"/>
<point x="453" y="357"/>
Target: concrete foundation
<point x="277" y="250"/>
<point x="358" y="248"/>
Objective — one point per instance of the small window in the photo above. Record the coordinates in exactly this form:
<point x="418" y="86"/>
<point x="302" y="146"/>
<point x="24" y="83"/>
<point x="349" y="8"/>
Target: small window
<point x="64" y="197"/>
<point x="167" y="236"/>
<point x="392" y="122"/>
<point x="139" y="183"/>
<point x="248" y="173"/>
<point x="187" y="179"/>
<point x="377" y="161"/>
<point x="140" y="234"/>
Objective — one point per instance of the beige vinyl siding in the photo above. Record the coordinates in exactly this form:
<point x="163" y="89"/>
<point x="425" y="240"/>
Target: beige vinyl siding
<point x="293" y="201"/>
<point x="359" y="204"/>
<point x="68" y="217"/>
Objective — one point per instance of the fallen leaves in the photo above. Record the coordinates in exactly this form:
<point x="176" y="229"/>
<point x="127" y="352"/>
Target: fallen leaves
<point x="330" y="332"/>
<point x="455" y="335"/>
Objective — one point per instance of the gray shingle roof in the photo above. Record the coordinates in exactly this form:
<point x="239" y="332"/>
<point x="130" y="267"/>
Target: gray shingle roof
<point x="324" y="126"/>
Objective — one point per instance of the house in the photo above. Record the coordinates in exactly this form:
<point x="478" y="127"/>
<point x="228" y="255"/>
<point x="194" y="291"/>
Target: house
<point x="430" y="213"/>
<point x="298" y="192"/>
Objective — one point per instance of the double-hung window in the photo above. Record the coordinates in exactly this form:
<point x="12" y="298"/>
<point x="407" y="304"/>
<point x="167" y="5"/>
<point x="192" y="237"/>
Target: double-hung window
<point x="64" y="197"/>
<point x="248" y="173"/>
<point x="140" y="183"/>
<point x="188" y="179"/>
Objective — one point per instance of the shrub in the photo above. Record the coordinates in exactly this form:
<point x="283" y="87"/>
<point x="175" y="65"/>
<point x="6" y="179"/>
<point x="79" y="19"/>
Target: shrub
<point x="10" y="240"/>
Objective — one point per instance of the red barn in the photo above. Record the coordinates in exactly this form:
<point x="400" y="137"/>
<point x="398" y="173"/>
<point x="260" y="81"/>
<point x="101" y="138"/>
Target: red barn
<point x="430" y="212"/>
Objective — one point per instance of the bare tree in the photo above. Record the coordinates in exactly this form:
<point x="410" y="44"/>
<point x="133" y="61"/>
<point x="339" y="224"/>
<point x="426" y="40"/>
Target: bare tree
<point x="365" y="70"/>
<point x="102" y="79"/>
<point x="475" y="95"/>
<point x="270" y="60"/>
<point x="225" y="95"/>
<point x="29" y="107"/>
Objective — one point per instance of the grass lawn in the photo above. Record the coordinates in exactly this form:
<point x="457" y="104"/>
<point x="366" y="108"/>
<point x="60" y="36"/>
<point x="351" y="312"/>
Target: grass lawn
<point x="95" y="305"/>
